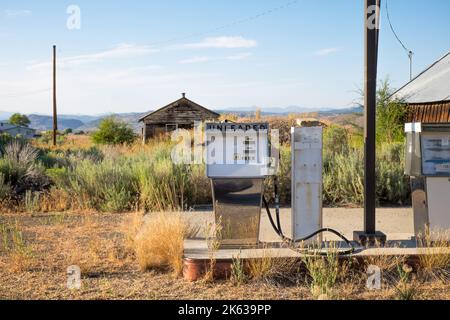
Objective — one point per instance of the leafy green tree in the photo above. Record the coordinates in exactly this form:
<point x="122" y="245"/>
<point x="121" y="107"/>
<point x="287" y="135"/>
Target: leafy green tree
<point x="391" y="114"/>
<point x="68" y="131"/>
<point x="18" y="119"/>
<point x="112" y="131"/>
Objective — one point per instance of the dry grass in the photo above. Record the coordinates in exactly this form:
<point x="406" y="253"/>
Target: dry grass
<point x="323" y="273"/>
<point x="213" y="232"/>
<point x="436" y="262"/>
<point x="273" y="269"/>
<point x="14" y="246"/>
<point x="238" y="276"/>
<point x="387" y="263"/>
<point x="102" y="244"/>
<point x="407" y="286"/>
<point x="160" y="241"/>
<point x="66" y="143"/>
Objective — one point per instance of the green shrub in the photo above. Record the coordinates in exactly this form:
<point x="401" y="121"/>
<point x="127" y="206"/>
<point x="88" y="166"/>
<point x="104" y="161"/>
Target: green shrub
<point x="5" y="138"/>
<point x="21" y="170"/>
<point x="163" y="184"/>
<point x="103" y="186"/>
<point x="5" y="189"/>
<point x="392" y="184"/>
<point x="336" y="139"/>
<point x="391" y="115"/>
<point x="64" y="158"/>
<point x="284" y="178"/>
<point x="343" y="178"/>
<point x="114" y="179"/>
<point x="113" y="132"/>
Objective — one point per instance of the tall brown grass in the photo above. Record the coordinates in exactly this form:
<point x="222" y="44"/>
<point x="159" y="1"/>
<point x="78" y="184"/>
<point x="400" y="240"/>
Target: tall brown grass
<point x="435" y="261"/>
<point x="159" y="240"/>
<point x="272" y="269"/>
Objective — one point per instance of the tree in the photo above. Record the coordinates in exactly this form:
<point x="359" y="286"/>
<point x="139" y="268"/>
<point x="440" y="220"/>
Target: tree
<point x="391" y="114"/>
<point x="18" y="119"/>
<point x="112" y="131"/>
<point x="258" y="114"/>
<point x="68" y="131"/>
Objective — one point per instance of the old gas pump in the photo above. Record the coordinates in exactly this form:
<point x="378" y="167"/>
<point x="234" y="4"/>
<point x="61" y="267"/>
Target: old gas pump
<point x="428" y="165"/>
<point x="307" y="163"/>
<point x="237" y="162"/>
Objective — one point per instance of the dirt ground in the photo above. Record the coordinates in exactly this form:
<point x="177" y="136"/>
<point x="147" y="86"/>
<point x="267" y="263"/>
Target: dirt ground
<point x="37" y="249"/>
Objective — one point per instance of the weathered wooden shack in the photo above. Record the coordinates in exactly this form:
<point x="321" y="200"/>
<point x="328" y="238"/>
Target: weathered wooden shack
<point x="180" y="114"/>
<point x="427" y="96"/>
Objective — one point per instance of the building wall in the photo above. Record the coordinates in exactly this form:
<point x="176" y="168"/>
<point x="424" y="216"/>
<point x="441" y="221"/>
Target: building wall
<point x="178" y="116"/>
<point x="24" y="132"/>
<point x="438" y="112"/>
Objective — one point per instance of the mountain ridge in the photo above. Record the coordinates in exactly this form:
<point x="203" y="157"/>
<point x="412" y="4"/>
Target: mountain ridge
<point x="80" y="122"/>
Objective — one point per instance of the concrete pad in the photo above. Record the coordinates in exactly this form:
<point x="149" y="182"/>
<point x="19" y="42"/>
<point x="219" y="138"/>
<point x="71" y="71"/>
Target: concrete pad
<point x="198" y="250"/>
<point x="396" y="223"/>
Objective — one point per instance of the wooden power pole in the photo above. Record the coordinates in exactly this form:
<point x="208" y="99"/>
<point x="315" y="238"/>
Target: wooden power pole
<point x="55" y="116"/>
<point x="371" y="35"/>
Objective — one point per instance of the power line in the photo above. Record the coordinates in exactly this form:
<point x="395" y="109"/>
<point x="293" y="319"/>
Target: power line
<point x="193" y="35"/>
<point x="229" y="25"/>
<point x="408" y="51"/>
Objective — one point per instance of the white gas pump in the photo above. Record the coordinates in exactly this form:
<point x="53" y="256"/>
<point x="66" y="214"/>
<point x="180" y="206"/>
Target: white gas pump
<point x="237" y="162"/>
<point x="428" y="165"/>
<point x="307" y="167"/>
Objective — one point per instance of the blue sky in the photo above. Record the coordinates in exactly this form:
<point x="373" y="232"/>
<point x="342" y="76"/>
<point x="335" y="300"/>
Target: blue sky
<point x="135" y="56"/>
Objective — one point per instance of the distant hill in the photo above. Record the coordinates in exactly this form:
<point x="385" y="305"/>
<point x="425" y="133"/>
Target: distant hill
<point x="81" y="117"/>
<point x="88" y="123"/>
<point x="248" y="112"/>
<point x="130" y="118"/>
<point x="44" y="123"/>
<point x="336" y="112"/>
<point x="4" y="115"/>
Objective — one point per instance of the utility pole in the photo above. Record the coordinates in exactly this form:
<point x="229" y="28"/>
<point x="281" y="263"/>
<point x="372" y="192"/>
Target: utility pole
<point x="410" y="56"/>
<point x="371" y="35"/>
<point x="55" y="117"/>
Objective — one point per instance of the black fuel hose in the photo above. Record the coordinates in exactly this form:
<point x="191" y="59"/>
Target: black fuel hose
<point x="277" y="203"/>
<point x="279" y="232"/>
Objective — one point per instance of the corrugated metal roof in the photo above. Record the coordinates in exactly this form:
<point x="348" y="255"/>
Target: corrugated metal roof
<point x="432" y="85"/>
<point x="6" y="126"/>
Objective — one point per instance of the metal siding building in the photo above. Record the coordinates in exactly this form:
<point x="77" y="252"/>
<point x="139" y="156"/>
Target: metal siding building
<point x="15" y="131"/>
<point x="428" y="95"/>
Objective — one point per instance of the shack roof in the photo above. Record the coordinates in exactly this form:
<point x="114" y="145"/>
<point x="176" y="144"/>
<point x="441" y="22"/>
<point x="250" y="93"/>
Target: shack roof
<point x="182" y="101"/>
<point x="431" y="85"/>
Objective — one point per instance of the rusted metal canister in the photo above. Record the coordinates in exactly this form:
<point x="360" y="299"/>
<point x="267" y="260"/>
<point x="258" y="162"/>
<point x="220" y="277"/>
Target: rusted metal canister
<point x="195" y="269"/>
